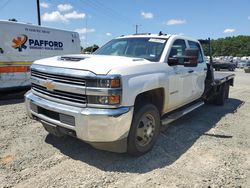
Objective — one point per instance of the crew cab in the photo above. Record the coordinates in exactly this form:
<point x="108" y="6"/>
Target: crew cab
<point x="118" y="98"/>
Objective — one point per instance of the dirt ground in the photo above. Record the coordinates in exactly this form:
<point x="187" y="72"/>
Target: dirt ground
<point x="210" y="147"/>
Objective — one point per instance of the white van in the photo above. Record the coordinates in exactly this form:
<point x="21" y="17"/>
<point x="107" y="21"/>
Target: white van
<point x="21" y="44"/>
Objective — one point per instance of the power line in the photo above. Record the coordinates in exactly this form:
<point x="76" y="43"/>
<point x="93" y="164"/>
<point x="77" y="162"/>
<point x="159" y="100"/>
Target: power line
<point x="111" y="11"/>
<point x="4" y="5"/>
<point x="105" y="11"/>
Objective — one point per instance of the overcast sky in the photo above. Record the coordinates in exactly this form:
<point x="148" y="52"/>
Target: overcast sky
<point x="98" y="21"/>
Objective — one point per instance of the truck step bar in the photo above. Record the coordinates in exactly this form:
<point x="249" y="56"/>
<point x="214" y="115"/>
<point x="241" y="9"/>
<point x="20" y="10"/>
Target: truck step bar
<point x="176" y="115"/>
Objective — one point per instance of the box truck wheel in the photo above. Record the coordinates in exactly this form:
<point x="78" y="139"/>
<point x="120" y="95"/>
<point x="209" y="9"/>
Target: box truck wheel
<point x="144" y="130"/>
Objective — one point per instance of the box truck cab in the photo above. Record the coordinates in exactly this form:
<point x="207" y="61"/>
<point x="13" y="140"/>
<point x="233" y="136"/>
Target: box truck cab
<point x="21" y="44"/>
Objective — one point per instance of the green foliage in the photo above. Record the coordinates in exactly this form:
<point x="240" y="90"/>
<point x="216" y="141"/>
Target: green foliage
<point x="230" y="46"/>
<point x="91" y="49"/>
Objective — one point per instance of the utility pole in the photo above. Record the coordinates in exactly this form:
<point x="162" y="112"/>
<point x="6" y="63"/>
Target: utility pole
<point x="38" y="12"/>
<point x="136" y="28"/>
<point x="86" y="32"/>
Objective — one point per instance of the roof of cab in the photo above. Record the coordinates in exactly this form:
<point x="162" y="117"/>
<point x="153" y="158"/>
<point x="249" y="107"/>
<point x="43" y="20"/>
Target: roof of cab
<point x="161" y="36"/>
<point x="146" y="35"/>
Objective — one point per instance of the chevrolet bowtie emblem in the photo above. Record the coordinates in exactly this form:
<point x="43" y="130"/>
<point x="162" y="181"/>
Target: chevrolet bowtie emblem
<point x="49" y="85"/>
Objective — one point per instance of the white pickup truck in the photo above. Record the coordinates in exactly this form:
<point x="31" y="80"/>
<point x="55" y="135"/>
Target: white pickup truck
<point x="118" y="98"/>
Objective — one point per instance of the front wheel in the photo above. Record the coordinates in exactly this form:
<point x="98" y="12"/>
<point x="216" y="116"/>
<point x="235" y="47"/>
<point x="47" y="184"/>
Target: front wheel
<point x="145" y="129"/>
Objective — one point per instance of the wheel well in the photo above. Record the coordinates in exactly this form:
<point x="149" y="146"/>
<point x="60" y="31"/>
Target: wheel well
<point x="155" y="96"/>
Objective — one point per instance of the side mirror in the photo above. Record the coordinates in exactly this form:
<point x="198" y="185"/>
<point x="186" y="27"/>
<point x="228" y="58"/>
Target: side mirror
<point x="190" y="59"/>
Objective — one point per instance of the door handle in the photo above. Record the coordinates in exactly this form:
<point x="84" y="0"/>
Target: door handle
<point x="190" y="71"/>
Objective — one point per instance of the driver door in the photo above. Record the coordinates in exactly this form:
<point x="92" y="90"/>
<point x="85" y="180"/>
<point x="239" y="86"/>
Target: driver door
<point x="181" y="81"/>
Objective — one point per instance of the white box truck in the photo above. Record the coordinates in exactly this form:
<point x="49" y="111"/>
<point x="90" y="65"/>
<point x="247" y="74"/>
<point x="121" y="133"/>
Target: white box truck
<point x="21" y="44"/>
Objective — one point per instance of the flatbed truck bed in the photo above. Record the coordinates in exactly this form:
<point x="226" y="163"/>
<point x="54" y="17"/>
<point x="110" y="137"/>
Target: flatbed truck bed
<point x="221" y="77"/>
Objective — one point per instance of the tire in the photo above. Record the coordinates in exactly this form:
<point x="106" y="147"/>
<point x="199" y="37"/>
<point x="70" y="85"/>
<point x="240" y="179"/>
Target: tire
<point x="221" y="96"/>
<point x="144" y="131"/>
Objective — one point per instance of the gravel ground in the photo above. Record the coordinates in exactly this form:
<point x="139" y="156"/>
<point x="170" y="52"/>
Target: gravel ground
<point x="210" y="147"/>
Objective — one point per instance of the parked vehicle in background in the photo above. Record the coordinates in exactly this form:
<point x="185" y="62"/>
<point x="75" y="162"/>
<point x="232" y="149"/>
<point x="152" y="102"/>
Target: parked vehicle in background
<point x="118" y="98"/>
<point x="236" y="60"/>
<point x="218" y="65"/>
<point x="241" y="64"/>
<point x="247" y="67"/>
<point x="21" y="44"/>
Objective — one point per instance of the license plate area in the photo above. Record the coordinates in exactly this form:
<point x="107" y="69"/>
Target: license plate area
<point x="58" y="131"/>
<point x="63" y="118"/>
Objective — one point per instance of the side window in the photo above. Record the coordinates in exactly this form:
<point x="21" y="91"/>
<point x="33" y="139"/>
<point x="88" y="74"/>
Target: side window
<point x="178" y="48"/>
<point x="197" y="46"/>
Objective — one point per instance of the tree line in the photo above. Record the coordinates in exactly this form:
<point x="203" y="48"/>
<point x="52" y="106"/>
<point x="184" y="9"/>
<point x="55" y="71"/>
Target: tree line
<point x="89" y="49"/>
<point x="237" y="46"/>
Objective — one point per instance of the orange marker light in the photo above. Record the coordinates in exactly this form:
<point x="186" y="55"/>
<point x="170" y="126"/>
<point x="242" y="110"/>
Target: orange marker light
<point x="12" y="69"/>
<point x="115" y="83"/>
<point x="115" y="99"/>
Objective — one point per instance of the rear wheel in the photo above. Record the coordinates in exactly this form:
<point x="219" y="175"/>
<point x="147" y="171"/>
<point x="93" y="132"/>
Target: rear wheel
<point x="144" y="130"/>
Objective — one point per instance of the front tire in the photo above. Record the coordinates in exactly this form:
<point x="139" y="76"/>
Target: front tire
<point x="145" y="129"/>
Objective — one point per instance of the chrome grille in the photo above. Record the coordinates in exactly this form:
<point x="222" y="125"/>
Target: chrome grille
<point x="67" y="89"/>
<point x="59" y="78"/>
<point x="72" y="97"/>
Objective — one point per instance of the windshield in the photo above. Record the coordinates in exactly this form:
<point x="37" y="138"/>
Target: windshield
<point x="147" y="48"/>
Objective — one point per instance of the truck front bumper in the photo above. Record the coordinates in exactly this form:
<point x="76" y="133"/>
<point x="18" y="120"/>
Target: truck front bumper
<point x="102" y="128"/>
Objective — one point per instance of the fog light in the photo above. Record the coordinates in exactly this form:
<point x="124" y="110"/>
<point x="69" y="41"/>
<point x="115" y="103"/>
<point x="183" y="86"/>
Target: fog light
<point x="103" y="100"/>
<point x="115" y="99"/>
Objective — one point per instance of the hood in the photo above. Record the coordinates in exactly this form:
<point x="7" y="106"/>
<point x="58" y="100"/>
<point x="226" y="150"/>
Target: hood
<point x="98" y="64"/>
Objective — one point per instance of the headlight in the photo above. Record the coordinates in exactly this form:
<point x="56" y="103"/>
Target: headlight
<point x="105" y="100"/>
<point x="104" y="83"/>
<point x="104" y="90"/>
